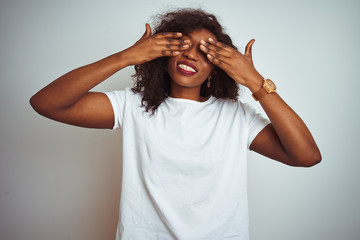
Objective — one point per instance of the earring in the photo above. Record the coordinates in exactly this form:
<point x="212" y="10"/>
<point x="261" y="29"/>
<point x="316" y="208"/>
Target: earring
<point x="209" y="82"/>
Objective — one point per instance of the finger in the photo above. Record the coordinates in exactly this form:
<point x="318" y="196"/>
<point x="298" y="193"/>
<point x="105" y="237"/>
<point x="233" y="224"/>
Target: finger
<point x="173" y="41"/>
<point x="168" y="35"/>
<point x="215" y="54"/>
<point x="207" y="47"/>
<point x="146" y="34"/>
<point x="217" y="61"/>
<point x="177" y="47"/>
<point x="173" y="44"/>
<point x="220" y="45"/>
<point x="248" y="48"/>
<point x="169" y="53"/>
<point x="148" y="30"/>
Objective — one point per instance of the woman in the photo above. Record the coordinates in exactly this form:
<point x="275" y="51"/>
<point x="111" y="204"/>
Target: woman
<point x="185" y="134"/>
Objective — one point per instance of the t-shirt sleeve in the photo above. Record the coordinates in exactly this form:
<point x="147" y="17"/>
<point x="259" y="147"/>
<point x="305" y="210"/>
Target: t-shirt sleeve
<point x="256" y="122"/>
<point x="118" y="101"/>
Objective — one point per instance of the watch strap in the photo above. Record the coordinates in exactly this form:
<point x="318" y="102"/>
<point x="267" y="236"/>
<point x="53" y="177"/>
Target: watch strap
<point x="259" y="94"/>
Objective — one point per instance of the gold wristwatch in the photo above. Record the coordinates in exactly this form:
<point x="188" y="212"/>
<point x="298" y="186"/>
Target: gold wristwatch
<point x="267" y="87"/>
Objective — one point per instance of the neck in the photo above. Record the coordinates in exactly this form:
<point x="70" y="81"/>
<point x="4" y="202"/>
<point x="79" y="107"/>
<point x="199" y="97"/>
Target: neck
<point x="186" y="93"/>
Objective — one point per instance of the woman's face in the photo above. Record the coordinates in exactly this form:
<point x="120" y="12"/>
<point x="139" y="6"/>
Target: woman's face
<point x="191" y="67"/>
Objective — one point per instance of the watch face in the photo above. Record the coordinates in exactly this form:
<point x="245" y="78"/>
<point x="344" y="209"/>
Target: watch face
<point x="270" y="84"/>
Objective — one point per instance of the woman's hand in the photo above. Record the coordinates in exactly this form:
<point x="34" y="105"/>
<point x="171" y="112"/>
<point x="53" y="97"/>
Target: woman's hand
<point x="238" y="66"/>
<point x="148" y="47"/>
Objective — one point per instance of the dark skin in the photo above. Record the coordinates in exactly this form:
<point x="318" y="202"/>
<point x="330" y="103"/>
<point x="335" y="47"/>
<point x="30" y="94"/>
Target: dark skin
<point x="68" y="99"/>
<point x="286" y="139"/>
<point x="184" y="86"/>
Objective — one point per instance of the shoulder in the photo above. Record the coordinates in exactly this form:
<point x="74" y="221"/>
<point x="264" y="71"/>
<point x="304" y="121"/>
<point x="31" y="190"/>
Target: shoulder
<point x="236" y="105"/>
<point x="126" y="95"/>
<point x="130" y="94"/>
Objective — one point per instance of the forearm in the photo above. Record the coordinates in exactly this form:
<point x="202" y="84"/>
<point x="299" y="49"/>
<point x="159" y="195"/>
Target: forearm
<point x="299" y="145"/>
<point x="69" y="88"/>
<point x="287" y="139"/>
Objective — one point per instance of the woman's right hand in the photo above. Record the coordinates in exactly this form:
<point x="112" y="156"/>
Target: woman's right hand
<point x="149" y="47"/>
<point x="68" y="99"/>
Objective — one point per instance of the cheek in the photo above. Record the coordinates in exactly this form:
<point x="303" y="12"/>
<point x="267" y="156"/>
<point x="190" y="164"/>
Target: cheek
<point x="208" y="66"/>
<point x="170" y="65"/>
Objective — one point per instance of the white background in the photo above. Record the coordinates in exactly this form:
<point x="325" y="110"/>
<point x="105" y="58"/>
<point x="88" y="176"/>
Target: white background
<point x="62" y="182"/>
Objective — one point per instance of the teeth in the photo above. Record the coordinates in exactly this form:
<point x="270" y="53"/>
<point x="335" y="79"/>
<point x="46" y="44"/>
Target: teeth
<point x="186" y="67"/>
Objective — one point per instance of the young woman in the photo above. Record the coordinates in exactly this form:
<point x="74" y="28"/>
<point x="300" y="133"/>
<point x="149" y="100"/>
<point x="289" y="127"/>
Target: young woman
<point x="185" y="134"/>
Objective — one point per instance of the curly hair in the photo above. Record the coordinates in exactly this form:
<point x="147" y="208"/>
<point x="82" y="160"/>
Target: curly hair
<point x="152" y="79"/>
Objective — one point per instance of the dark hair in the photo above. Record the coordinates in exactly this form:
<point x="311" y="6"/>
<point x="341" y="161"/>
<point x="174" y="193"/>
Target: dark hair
<point x="152" y="79"/>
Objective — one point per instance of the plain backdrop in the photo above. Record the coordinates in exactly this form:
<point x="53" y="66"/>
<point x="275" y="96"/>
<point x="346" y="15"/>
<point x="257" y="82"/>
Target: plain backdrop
<point x="62" y="182"/>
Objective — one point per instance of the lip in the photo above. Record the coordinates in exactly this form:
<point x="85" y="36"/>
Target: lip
<point x="185" y="72"/>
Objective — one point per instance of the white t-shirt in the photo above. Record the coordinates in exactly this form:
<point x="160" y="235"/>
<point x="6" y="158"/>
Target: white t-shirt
<point x="185" y="168"/>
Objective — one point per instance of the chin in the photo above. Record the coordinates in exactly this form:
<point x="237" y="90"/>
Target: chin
<point x="187" y="82"/>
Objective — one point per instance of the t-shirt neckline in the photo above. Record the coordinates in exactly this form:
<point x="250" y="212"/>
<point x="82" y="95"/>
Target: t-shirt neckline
<point x="184" y="100"/>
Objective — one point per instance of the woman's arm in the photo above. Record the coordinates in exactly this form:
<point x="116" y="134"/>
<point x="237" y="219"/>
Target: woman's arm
<point x="286" y="139"/>
<point x="68" y="100"/>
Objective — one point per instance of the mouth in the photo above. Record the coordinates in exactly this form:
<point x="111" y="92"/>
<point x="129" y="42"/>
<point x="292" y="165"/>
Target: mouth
<point x="186" y="68"/>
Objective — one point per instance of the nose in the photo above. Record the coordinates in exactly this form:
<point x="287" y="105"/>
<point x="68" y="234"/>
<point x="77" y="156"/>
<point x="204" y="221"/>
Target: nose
<point x="191" y="53"/>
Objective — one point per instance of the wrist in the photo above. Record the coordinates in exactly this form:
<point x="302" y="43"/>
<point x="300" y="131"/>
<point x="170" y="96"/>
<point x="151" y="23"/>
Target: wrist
<point x="267" y="88"/>
<point x="255" y="83"/>
<point x="123" y="59"/>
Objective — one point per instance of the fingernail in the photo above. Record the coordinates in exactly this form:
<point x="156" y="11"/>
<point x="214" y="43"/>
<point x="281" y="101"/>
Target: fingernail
<point x="202" y="47"/>
<point x="202" y="42"/>
<point x="176" y="52"/>
<point x="185" y="46"/>
<point x="209" y="56"/>
<point x="211" y="40"/>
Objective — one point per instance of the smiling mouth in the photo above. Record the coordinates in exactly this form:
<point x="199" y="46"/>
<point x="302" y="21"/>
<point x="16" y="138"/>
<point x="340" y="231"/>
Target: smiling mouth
<point x="186" y="68"/>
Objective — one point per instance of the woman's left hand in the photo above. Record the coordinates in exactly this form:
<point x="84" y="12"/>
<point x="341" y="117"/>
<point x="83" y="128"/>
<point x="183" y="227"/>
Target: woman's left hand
<point x="238" y="66"/>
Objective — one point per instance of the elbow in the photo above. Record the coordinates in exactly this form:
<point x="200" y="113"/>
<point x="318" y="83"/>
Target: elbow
<point x="312" y="162"/>
<point x="39" y="105"/>
<point x="32" y="102"/>
<point x="309" y="160"/>
<point x="315" y="158"/>
<point x="35" y="104"/>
